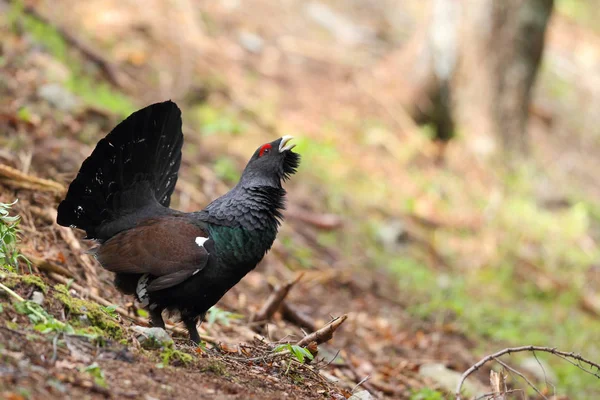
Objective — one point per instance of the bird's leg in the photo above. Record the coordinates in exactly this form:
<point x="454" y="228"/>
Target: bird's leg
<point x="156" y="318"/>
<point x="190" y="325"/>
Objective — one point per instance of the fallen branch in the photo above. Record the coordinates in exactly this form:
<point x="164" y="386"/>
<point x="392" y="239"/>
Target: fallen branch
<point x="48" y="266"/>
<point x="324" y="334"/>
<point x="570" y="357"/>
<point x="297" y="317"/>
<point x="514" y="371"/>
<point x="274" y="301"/>
<point x="14" y="178"/>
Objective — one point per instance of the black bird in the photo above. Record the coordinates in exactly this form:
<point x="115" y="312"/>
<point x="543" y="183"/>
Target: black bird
<point x="169" y="259"/>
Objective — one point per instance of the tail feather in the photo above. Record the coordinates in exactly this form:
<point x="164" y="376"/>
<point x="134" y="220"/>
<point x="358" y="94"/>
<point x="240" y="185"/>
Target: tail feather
<point x="133" y="168"/>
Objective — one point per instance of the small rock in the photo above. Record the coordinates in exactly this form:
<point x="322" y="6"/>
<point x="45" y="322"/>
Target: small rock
<point x="58" y="96"/>
<point x="37" y="297"/>
<point x="539" y="369"/>
<point x="251" y="42"/>
<point x="362" y="395"/>
<point x="393" y="235"/>
<point x="152" y="338"/>
<point x="148" y="397"/>
<point x="448" y="379"/>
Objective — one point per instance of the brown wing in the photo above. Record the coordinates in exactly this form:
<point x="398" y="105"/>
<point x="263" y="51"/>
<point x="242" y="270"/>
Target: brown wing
<point x="163" y="247"/>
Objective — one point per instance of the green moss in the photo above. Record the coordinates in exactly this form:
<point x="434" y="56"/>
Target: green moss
<point x="216" y="367"/>
<point x="11" y="280"/>
<point x="170" y="355"/>
<point x="97" y="316"/>
<point x="11" y="325"/>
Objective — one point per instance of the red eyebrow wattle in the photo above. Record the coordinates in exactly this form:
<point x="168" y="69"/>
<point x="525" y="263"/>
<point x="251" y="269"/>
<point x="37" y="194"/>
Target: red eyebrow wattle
<point x="263" y="148"/>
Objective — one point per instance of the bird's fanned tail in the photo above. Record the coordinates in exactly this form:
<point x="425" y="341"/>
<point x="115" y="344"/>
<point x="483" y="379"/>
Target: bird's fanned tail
<point x="131" y="172"/>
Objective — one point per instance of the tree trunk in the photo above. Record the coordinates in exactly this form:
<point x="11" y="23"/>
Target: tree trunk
<point x="473" y="65"/>
<point x="500" y="51"/>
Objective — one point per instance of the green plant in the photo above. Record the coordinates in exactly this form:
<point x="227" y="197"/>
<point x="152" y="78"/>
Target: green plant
<point x="9" y="236"/>
<point x="96" y="372"/>
<point x="426" y="394"/>
<point x="111" y="310"/>
<point x="43" y="321"/>
<point x="299" y="353"/>
<point x="170" y="355"/>
<point x="98" y="316"/>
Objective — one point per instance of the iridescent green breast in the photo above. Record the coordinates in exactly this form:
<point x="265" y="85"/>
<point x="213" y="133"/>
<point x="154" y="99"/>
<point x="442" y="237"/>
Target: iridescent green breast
<point x="237" y="246"/>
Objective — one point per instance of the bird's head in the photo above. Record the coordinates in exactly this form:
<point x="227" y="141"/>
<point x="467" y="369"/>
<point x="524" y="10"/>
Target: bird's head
<point x="271" y="163"/>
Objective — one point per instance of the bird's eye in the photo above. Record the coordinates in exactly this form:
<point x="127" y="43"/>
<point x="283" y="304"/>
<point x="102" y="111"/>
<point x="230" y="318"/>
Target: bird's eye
<point x="265" y="149"/>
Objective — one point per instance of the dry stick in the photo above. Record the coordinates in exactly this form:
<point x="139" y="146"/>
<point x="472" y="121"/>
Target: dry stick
<point x="562" y="354"/>
<point x="514" y="371"/>
<point x="274" y="301"/>
<point x="48" y="266"/>
<point x="319" y="337"/>
<point x="494" y="394"/>
<point x="324" y="334"/>
<point x="545" y="376"/>
<point x="121" y="311"/>
<point x="497" y="384"/>
<point x="295" y="316"/>
<point x="364" y="382"/>
<point x="15" y="178"/>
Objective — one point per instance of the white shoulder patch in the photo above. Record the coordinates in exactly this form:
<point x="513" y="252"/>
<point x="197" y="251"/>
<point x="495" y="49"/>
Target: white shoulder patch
<point x="200" y="241"/>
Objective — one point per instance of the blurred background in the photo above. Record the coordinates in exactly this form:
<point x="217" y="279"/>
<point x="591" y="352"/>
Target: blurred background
<point x="448" y="199"/>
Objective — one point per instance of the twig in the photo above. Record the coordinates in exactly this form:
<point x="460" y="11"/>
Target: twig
<point x="321" y="336"/>
<point x="493" y="395"/>
<point x="295" y="316"/>
<point x="544" y="371"/>
<point x="562" y="354"/>
<point x="15" y="178"/>
<point x="355" y="375"/>
<point x="324" y="334"/>
<point x="274" y="301"/>
<point x="514" y="371"/>
<point x="48" y="266"/>
<point x="498" y="385"/>
<point x="11" y="292"/>
<point x="363" y="380"/>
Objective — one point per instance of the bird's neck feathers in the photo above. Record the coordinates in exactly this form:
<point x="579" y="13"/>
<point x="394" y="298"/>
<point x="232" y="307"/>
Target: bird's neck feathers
<point x="254" y="208"/>
<point x="243" y="223"/>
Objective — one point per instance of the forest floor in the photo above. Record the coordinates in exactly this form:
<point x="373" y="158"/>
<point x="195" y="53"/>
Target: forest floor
<point x="434" y="266"/>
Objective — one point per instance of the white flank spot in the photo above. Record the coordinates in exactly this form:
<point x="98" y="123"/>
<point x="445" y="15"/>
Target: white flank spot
<point x="200" y="241"/>
<point x="195" y="272"/>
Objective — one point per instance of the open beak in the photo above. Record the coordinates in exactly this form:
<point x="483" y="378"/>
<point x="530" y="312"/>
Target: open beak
<point x="284" y="146"/>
